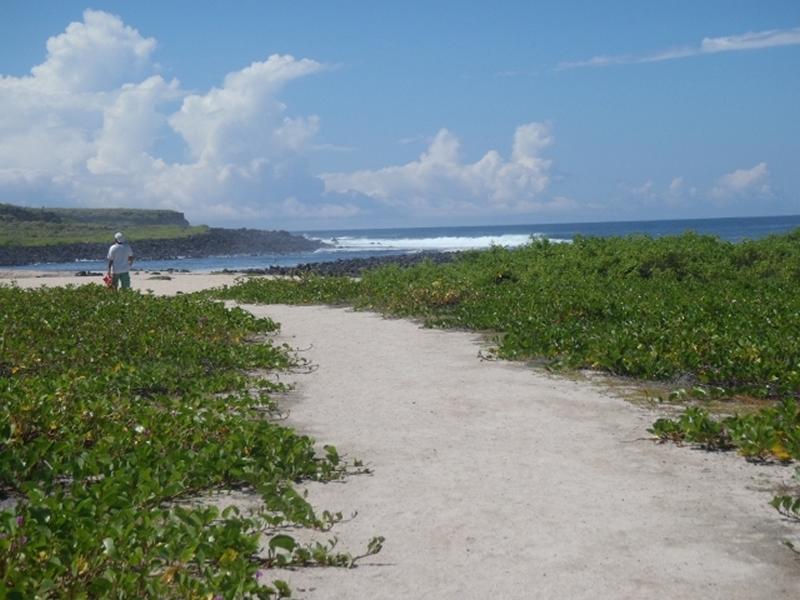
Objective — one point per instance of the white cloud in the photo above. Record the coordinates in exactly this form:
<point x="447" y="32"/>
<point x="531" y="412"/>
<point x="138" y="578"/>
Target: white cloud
<point x="413" y="139"/>
<point x="327" y="210"/>
<point x="734" y="190"/>
<point x="439" y="182"/>
<point x="676" y="185"/>
<point x="84" y="129"/>
<point x="33" y="187"/>
<point x="88" y="125"/>
<point x="47" y="119"/>
<point x="753" y="181"/>
<point x="130" y="126"/>
<point x="244" y="119"/>
<point x="645" y="189"/>
<point x="752" y="40"/>
<point x="95" y="55"/>
<point x="653" y="196"/>
<point x="745" y="41"/>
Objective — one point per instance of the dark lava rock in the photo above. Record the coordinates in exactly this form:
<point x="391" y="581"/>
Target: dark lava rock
<point x="351" y="267"/>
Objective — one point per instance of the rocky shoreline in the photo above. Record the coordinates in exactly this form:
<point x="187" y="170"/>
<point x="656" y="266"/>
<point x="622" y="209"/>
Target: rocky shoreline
<point x="214" y="242"/>
<point x="351" y="267"/>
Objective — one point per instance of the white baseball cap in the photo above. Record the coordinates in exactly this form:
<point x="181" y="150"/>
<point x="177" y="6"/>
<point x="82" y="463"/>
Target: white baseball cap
<point x="119" y="237"/>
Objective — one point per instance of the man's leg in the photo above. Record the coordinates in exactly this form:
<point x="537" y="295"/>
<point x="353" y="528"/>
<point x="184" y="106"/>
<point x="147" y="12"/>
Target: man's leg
<point x="125" y="280"/>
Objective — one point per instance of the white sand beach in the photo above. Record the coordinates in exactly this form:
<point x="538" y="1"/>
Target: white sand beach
<point x="496" y="480"/>
<point x="162" y="284"/>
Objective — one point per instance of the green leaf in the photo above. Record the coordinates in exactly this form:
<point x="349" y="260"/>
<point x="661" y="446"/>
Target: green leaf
<point x="99" y="586"/>
<point x="284" y="591"/>
<point x="282" y="541"/>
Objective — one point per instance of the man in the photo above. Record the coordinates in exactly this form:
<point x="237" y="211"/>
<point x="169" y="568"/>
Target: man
<point x="120" y="259"/>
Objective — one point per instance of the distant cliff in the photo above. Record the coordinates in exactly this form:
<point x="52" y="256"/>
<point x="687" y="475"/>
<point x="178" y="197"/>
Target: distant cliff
<point x="213" y="242"/>
<point x="38" y="235"/>
<point x="119" y="217"/>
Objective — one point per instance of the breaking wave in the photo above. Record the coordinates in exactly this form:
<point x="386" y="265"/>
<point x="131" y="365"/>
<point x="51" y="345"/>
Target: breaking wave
<point x="440" y="244"/>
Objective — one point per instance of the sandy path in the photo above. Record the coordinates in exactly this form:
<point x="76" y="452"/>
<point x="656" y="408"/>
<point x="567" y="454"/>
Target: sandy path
<point x="492" y="480"/>
<point x="495" y="481"/>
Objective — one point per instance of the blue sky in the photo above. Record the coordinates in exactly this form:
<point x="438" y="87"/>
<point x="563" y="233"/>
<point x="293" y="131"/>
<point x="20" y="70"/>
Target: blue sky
<point x="307" y="115"/>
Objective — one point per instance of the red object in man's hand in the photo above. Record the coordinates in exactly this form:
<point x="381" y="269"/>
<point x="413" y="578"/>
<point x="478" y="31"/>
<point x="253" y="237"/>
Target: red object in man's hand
<point x="108" y="280"/>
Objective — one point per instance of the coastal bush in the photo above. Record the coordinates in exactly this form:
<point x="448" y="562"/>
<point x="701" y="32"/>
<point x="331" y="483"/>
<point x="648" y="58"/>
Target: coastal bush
<point x="673" y="308"/>
<point x="304" y="290"/>
<point x="720" y="316"/>
<point x="120" y="415"/>
<point x="771" y="433"/>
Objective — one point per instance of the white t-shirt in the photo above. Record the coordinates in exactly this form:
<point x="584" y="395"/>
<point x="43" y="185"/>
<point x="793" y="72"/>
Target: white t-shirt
<point x="119" y="254"/>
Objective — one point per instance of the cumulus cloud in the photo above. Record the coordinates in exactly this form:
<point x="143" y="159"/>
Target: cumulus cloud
<point x="746" y="41"/>
<point x="753" y="181"/>
<point x="645" y="189"/>
<point x="33" y="187"/>
<point x="327" y="210"/>
<point x="89" y="126"/>
<point x="47" y="119"/>
<point x="243" y="118"/>
<point x="95" y="55"/>
<point x="653" y="196"/>
<point x="731" y="190"/>
<point x="439" y="181"/>
<point x="130" y="126"/>
<point x="84" y="126"/>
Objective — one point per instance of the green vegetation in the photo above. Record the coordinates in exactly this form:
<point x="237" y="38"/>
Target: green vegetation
<point x="308" y="290"/>
<point x="720" y="318"/>
<point x="118" y="410"/>
<point x="22" y="226"/>
<point x="102" y="216"/>
<point x="689" y="307"/>
<point x="770" y="434"/>
<point x="36" y="234"/>
<point x="119" y="414"/>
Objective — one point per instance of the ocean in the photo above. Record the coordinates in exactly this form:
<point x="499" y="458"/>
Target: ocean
<point x="365" y="243"/>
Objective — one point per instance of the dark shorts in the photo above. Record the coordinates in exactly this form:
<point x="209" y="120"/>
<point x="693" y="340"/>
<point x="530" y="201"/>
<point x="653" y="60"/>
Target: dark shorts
<point x="122" y="280"/>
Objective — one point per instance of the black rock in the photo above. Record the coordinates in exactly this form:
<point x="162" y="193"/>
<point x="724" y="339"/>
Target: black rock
<point x="351" y="267"/>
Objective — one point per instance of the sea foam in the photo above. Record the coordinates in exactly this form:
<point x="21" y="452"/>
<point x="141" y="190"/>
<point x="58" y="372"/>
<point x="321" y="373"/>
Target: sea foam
<point x="441" y="244"/>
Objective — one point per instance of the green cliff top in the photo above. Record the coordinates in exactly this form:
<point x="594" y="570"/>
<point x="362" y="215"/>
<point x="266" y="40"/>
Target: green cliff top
<point x="25" y="226"/>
